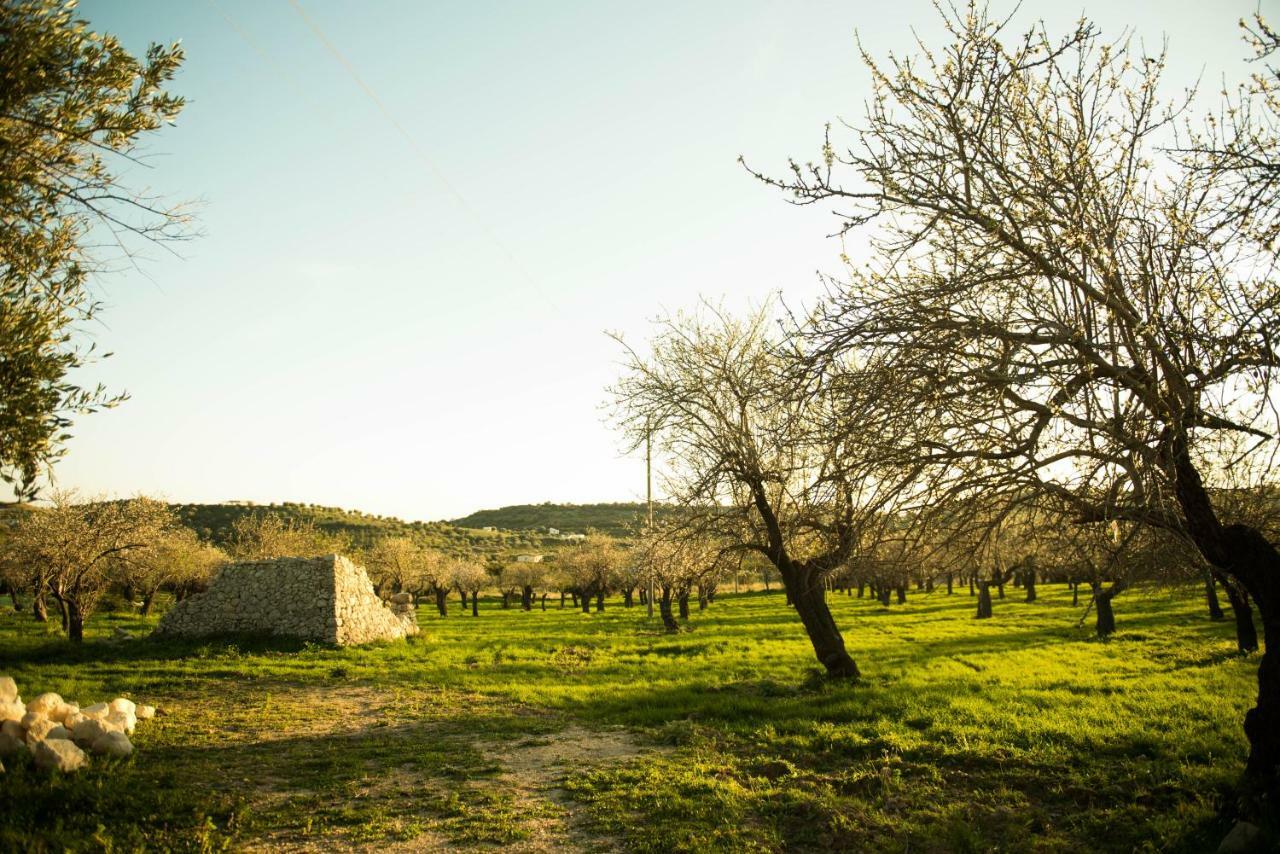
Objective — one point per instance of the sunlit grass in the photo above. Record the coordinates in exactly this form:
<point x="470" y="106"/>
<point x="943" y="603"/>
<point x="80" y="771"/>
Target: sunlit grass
<point x="1021" y="733"/>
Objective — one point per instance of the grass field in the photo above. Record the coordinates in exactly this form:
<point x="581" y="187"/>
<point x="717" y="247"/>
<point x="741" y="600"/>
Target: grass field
<point x="558" y="730"/>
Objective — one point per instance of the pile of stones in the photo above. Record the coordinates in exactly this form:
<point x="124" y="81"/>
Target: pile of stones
<point x="326" y="598"/>
<point x="55" y="734"/>
<point x="402" y="607"/>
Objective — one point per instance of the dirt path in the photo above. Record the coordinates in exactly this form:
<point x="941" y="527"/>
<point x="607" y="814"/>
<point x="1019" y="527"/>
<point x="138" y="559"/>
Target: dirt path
<point x="346" y="767"/>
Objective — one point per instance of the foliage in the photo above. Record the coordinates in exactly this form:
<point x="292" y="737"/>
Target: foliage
<point x="616" y="520"/>
<point x="74" y="105"/>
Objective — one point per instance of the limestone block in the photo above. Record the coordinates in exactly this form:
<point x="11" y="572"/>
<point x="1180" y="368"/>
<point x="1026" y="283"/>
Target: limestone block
<point x="91" y="729"/>
<point x="124" y="720"/>
<point x="115" y="744"/>
<point x="45" y="729"/>
<point x="10" y="711"/>
<point x="8" y="690"/>
<point x="50" y="705"/>
<point x="14" y="729"/>
<point x="146" y="713"/>
<point x="58" y="754"/>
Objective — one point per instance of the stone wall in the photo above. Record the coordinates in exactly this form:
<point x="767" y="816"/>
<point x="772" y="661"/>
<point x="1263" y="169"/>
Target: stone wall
<point x="327" y="599"/>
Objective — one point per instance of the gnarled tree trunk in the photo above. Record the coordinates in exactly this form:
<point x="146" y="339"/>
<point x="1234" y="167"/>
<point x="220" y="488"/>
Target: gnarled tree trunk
<point x="808" y="596"/>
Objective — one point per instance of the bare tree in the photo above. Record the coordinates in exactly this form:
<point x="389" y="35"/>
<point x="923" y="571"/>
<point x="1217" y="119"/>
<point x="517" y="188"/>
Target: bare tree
<point x="754" y="455"/>
<point x="1072" y="311"/>
<point x="78" y="544"/>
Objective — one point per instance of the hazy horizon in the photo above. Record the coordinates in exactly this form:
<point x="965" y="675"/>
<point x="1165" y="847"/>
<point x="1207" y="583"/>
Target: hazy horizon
<point x="406" y="315"/>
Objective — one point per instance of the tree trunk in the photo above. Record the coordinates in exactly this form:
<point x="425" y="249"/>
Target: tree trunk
<point x="526" y="597"/>
<point x="628" y="597"/>
<point x="1211" y="597"/>
<point x="442" y="601"/>
<point x="1244" y="555"/>
<point x="807" y="594"/>
<point x="147" y="601"/>
<point x="902" y="594"/>
<point x="984" y="600"/>
<point x="702" y="598"/>
<point x="544" y="601"/>
<point x="970" y="584"/>
<point x="600" y="601"/>
<point x="683" y="599"/>
<point x="1246" y="633"/>
<point x="1029" y="580"/>
<point x="75" y="621"/>
<point x="506" y="598"/>
<point x="13" y="597"/>
<point x="948" y="584"/>
<point x="1075" y="594"/>
<point x="584" y="599"/>
<point x="463" y="594"/>
<point x="38" y="608"/>
<point x="664" y="608"/>
<point x="884" y="596"/>
<point x="1106" y="615"/>
<point x="475" y="603"/>
<point x="861" y="588"/>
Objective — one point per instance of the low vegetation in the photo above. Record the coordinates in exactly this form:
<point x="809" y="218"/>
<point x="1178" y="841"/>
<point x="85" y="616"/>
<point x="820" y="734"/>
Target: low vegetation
<point x="962" y="734"/>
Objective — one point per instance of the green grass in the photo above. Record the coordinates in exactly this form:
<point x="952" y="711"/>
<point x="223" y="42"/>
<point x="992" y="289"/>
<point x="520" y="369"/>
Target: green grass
<point x="1020" y="733"/>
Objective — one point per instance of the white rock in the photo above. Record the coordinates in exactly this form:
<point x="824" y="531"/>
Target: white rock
<point x="8" y="690"/>
<point x="123" y="720"/>
<point x="68" y="711"/>
<point x="91" y="729"/>
<point x="72" y="721"/>
<point x="120" y="704"/>
<point x="146" y="713"/>
<point x="31" y="719"/>
<point x="97" y="710"/>
<point x="10" y="711"/>
<point x="45" y="730"/>
<point x="14" y="729"/>
<point x="115" y="744"/>
<point x="50" y="705"/>
<point x="58" y="754"/>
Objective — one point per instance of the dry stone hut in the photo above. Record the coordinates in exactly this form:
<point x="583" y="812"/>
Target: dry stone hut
<point x="327" y="599"/>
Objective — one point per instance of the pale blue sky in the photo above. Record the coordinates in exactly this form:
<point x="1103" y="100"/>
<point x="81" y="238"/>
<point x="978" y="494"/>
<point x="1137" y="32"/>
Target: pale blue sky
<point x="349" y="332"/>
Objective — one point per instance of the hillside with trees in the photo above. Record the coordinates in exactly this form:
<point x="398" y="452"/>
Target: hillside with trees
<point x="619" y="520"/>
<point x="215" y="523"/>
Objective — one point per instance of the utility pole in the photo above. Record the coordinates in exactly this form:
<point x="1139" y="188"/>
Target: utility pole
<point x="648" y="497"/>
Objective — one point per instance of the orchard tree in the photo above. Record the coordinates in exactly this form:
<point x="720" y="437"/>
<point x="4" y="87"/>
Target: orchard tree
<point x="591" y="567"/>
<point x="1070" y="309"/>
<point x="468" y="578"/>
<point x="263" y="536"/>
<point x="757" y="457"/>
<point x="77" y="545"/>
<point x="177" y="560"/>
<point x="675" y="561"/>
<point x="74" y="106"/>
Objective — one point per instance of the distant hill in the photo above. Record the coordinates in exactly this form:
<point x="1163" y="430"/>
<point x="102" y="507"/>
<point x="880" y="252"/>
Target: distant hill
<point x="212" y="522"/>
<point x="616" y="519"/>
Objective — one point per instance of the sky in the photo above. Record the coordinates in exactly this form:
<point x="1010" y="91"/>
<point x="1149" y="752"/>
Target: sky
<point x="414" y="238"/>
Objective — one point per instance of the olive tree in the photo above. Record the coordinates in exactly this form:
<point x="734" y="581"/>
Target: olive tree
<point x="74" y="108"/>
<point x="1074" y="311"/>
